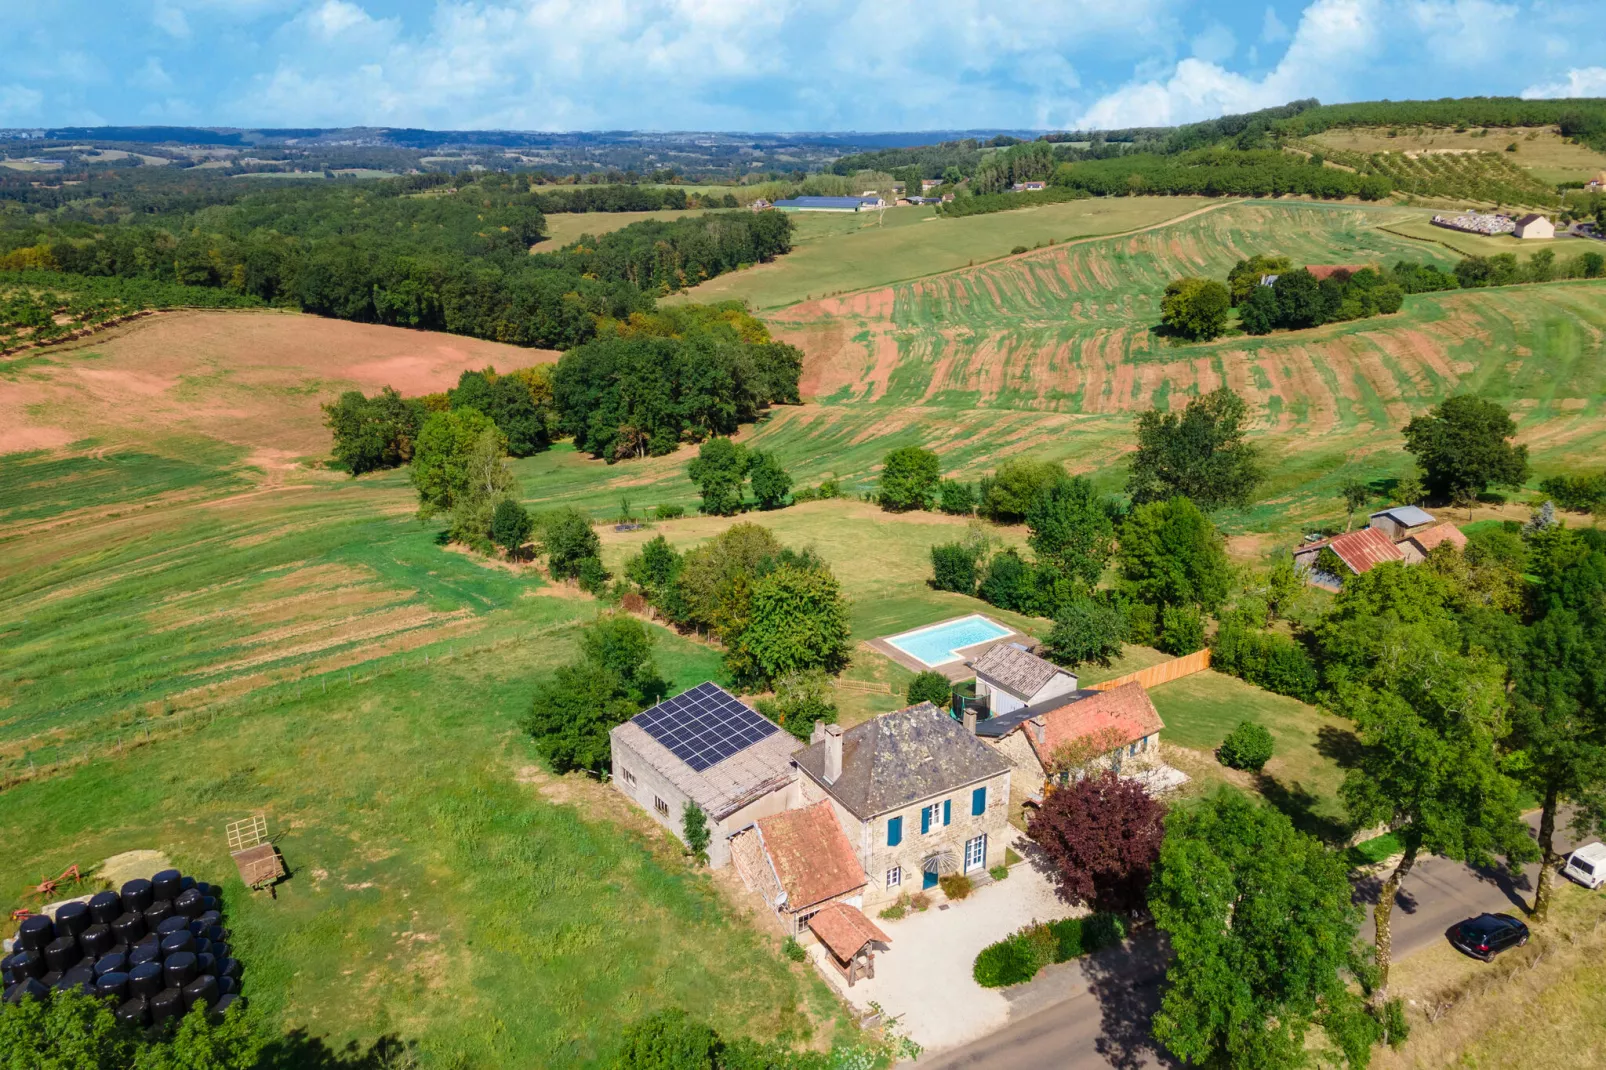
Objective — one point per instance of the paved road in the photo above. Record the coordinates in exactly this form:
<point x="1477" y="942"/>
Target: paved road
<point x="1104" y="1022"/>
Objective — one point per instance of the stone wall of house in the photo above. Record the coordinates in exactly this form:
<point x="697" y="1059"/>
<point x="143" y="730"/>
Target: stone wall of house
<point x="1013" y="746"/>
<point x="646" y="786"/>
<point x="869" y="838"/>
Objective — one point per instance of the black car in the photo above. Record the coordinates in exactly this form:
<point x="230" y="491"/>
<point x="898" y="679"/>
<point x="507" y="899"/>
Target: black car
<point x="1486" y="935"/>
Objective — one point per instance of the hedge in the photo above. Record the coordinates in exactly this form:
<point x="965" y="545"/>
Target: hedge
<point x="1265" y="659"/>
<point x="1017" y="958"/>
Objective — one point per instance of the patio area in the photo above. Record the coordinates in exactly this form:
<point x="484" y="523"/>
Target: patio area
<point x="923" y="984"/>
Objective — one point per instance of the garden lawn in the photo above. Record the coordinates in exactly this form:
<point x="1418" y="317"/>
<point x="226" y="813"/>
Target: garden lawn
<point x="1303" y="776"/>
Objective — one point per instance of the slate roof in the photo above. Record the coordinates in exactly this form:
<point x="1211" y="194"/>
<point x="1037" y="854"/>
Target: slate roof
<point x="845" y="930"/>
<point x="1015" y="669"/>
<point x="1000" y="725"/>
<point x="1407" y="516"/>
<point x="1441" y="532"/>
<point x="901" y="758"/>
<point x="1127" y="710"/>
<point x="810" y="854"/>
<point x="726" y="786"/>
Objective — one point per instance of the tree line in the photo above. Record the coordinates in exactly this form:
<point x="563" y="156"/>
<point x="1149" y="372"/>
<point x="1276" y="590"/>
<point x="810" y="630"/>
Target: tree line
<point x="448" y="259"/>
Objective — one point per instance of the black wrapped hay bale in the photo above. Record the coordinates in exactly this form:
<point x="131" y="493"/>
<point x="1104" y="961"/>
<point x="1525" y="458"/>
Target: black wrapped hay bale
<point x="35" y="932"/>
<point x="186" y="883"/>
<point x="81" y="978"/>
<point x="202" y="990"/>
<point x="219" y="949"/>
<point x="173" y="943"/>
<point x="115" y="962"/>
<point x="28" y="988"/>
<point x="226" y="985"/>
<point x="135" y="1013"/>
<point x="146" y="979"/>
<point x="97" y="940"/>
<point x="202" y="946"/>
<point x="144" y="952"/>
<point x="62" y="954"/>
<point x="158" y="912"/>
<point x="137" y="895"/>
<point x="172" y="925"/>
<point x="167" y="884"/>
<point x="168" y="1003"/>
<point x="228" y="967"/>
<point x="49" y="979"/>
<point x="72" y="919"/>
<point x="112" y="985"/>
<point x="222" y="1006"/>
<point x="129" y="927"/>
<point x="190" y="904"/>
<point x="179" y="969"/>
<point x="105" y="907"/>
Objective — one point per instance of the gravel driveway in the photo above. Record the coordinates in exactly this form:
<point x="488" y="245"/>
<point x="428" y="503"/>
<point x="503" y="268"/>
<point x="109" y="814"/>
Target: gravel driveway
<point x="924" y="981"/>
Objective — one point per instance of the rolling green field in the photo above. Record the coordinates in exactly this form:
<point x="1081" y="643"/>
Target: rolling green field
<point x="565" y="227"/>
<point x="835" y="253"/>
<point x="198" y="622"/>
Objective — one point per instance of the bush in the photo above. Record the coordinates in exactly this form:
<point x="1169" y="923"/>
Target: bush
<point x="1019" y="956"/>
<point x="1017" y="250"/>
<point x="1102" y="930"/>
<point x="592" y="576"/>
<point x="909" y="479"/>
<point x="896" y="910"/>
<point x="1008" y="962"/>
<point x="1009" y="583"/>
<point x="999" y="872"/>
<point x="1249" y="746"/>
<point x="1265" y="659"/>
<point x="1141" y="619"/>
<point x="956" y="498"/>
<point x="669" y="512"/>
<point x="794" y="950"/>
<point x="930" y="686"/>
<point x="1182" y="630"/>
<point x="953" y="567"/>
<point x="955" y="885"/>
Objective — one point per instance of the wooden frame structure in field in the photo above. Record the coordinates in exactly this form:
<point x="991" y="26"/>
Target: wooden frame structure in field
<point x="257" y="860"/>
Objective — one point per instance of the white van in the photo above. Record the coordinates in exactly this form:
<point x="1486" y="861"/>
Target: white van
<point x="1587" y="865"/>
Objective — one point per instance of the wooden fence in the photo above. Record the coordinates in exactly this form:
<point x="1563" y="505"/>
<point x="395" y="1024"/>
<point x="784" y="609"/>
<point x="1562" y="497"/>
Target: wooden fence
<point x="1163" y="673"/>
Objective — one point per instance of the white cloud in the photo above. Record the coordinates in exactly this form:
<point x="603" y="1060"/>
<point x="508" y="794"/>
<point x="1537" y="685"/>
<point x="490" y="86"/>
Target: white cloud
<point x="1272" y="30"/>
<point x="1333" y="38"/>
<point x="1580" y="82"/>
<point x="1465" y="33"/>
<point x="19" y="103"/>
<point x="152" y="75"/>
<point x="335" y="17"/>
<point x="1215" y="45"/>
<point x="171" y="20"/>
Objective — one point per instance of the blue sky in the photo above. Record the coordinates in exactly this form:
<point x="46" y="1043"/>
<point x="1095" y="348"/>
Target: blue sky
<point x="774" y="65"/>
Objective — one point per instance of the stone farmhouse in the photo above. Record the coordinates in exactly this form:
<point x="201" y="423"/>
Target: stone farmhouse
<point x="1403" y="533"/>
<point x="918" y="796"/>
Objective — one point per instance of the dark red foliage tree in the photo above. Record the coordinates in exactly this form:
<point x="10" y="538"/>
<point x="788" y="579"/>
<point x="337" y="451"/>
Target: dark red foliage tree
<point x="1103" y="835"/>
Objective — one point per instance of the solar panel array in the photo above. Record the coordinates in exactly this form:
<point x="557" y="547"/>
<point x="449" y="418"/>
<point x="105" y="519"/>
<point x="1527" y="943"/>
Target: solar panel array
<point x="704" y="726"/>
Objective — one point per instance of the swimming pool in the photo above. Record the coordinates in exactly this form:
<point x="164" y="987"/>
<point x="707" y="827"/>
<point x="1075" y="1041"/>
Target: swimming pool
<point x="941" y="643"/>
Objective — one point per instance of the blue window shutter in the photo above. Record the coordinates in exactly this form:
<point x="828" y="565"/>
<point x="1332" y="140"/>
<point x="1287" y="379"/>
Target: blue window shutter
<point x="925" y="820"/>
<point x="978" y="801"/>
<point x="894" y="831"/>
<point x="947" y="811"/>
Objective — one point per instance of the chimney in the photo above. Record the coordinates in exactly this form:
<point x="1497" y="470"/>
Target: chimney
<point x="818" y="733"/>
<point x="1039" y="728"/>
<point x="833" y="753"/>
<point x="970" y="721"/>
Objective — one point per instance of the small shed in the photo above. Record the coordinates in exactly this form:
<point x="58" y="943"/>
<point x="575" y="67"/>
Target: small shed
<point x="1535" y="226"/>
<point x="849" y="939"/>
<point x="1398" y="521"/>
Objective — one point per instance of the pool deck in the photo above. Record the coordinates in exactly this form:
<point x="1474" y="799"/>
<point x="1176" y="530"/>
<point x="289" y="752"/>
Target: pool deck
<point x="955" y="671"/>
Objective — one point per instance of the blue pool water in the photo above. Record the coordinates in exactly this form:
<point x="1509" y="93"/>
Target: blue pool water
<point x="938" y="643"/>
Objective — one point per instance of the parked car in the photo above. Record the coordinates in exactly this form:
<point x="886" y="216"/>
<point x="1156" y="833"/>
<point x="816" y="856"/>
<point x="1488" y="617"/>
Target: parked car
<point x="1486" y="935"/>
<point x="1587" y="865"/>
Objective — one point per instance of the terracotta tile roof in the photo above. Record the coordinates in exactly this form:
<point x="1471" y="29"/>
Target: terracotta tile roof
<point x="1442" y="532"/>
<point x="1365" y="549"/>
<point x="1126" y="711"/>
<point x="845" y="930"/>
<point x="1016" y="670"/>
<point x="811" y="854"/>
<point x="900" y="758"/>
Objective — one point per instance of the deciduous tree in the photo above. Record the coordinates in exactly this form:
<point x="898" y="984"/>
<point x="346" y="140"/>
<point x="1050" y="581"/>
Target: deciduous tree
<point x="1262" y="929"/>
<point x="719" y="470"/>
<point x="1085" y="632"/>
<point x="442" y="458"/>
<point x="1463" y="444"/>
<point x="1103" y="835"/>
<point x="1195" y="308"/>
<point x="1171" y="554"/>
<point x="771" y="483"/>
<point x="511" y="525"/>
<point x="1071" y="530"/>
<point x="797" y="620"/>
<point x="1198" y="454"/>
<point x="909" y="479"/>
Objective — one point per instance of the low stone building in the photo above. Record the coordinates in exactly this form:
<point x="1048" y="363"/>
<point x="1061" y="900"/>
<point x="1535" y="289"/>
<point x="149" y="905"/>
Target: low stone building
<point x="1009" y="677"/>
<point x="799" y="861"/>
<point x="706" y="747"/>
<point x="1116" y="729"/>
<point x="917" y="796"/>
<point x="1403" y="533"/>
<point x="1535" y="226"/>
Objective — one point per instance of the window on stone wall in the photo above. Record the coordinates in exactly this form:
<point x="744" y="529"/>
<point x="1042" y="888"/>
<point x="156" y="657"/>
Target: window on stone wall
<point x="894" y="876"/>
<point x="629" y="777"/>
<point x="661" y="806"/>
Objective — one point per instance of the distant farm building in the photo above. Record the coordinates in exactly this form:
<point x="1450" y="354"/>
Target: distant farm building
<point x="1535" y="226"/>
<point x="829" y="204"/>
<point x="1028" y="187"/>
<point x="1403" y="533"/>
<point x="930" y="183"/>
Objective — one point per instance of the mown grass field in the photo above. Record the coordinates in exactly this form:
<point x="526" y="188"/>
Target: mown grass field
<point x="565" y="227"/>
<point x="1489" y="244"/>
<point x="835" y="253"/>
